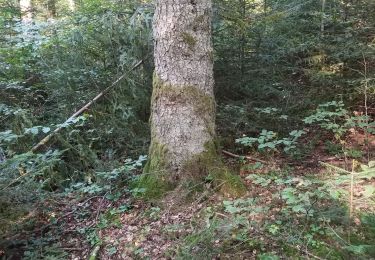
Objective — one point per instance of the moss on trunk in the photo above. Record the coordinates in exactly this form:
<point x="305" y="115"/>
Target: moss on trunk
<point x="203" y="103"/>
<point x="159" y="175"/>
<point x="210" y="164"/>
<point x="156" y="180"/>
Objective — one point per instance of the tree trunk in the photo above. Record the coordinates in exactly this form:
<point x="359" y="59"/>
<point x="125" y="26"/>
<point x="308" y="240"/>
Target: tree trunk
<point x="183" y="105"/>
<point x="26" y="11"/>
<point x="72" y="5"/>
<point x="51" y="8"/>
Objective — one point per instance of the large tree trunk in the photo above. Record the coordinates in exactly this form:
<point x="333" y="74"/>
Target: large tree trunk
<point x="72" y="5"/>
<point x="26" y="11"/>
<point x="183" y="104"/>
<point x="51" y="8"/>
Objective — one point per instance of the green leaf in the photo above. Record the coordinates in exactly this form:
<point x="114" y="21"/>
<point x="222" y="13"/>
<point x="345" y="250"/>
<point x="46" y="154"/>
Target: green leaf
<point x="46" y="130"/>
<point x="359" y="249"/>
<point x="369" y="191"/>
<point x="268" y="256"/>
<point x="298" y="208"/>
<point x="371" y="164"/>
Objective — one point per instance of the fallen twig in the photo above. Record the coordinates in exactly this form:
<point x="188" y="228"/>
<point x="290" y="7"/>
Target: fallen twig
<point x="335" y="168"/>
<point x="94" y="252"/>
<point x="246" y="157"/>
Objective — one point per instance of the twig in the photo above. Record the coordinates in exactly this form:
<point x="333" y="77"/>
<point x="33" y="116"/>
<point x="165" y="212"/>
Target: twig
<point x="366" y="107"/>
<point x="351" y="199"/>
<point x="246" y="157"/>
<point x="312" y="255"/>
<point x="335" y="168"/>
<point x="71" y="248"/>
<point x="46" y="139"/>
<point x="222" y="215"/>
<point x="323" y="16"/>
<point x="337" y="235"/>
<point x="94" y="252"/>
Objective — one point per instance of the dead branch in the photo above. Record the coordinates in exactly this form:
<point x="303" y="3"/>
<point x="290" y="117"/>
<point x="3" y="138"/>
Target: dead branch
<point x="246" y="157"/>
<point x="46" y="139"/>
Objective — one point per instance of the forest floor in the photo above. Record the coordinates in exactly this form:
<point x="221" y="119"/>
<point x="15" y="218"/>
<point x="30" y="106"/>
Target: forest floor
<point x="310" y="208"/>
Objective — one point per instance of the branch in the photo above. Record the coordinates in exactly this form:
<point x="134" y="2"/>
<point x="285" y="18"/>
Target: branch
<point x="46" y="139"/>
<point x="246" y="157"/>
<point x="95" y="252"/>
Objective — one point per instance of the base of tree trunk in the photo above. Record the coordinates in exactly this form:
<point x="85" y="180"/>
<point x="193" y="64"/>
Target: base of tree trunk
<point x="205" y="167"/>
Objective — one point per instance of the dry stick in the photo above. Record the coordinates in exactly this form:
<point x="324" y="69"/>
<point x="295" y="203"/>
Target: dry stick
<point x="323" y="14"/>
<point x="246" y="157"/>
<point x="46" y="139"/>
<point x="335" y="168"/>
<point x="351" y="199"/>
<point x="366" y="108"/>
<point x="94" y="252"/>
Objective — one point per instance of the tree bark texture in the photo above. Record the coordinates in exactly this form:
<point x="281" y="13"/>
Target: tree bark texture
<point x="72" y="5"/>
<point x="26" y="11"/>
<point x="183" y="105"/>
<point x="51" y="7"/>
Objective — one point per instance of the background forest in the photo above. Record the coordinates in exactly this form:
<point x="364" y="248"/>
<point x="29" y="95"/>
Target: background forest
<point x="295" y="91"/>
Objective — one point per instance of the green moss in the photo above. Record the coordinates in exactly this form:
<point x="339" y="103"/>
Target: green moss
<point x="189" y="39"/>
<point x="152" y="186"/>
<point x="211" y="56"/>
<point x="199" y="19"/>
<point x="157" y="157"/>
<point x="155" y="181"/>
<point x="209" y="164"/>
<point x="228" y="183"/>
<point x="203" y="103"/>
<point x="201" y="22"/>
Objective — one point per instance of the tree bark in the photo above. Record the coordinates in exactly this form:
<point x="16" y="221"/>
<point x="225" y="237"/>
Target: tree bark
<point x="51" y="8"/>
<point x="72" y="5"/>
<point x="183" y="105"/>
<point x="26" y="11"/>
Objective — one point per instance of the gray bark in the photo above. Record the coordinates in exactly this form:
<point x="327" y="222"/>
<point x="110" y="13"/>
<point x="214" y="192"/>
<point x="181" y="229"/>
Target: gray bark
<point x="26" y="11"/>
<point x="72" y="5"/>
<point x="183" y="106"/>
